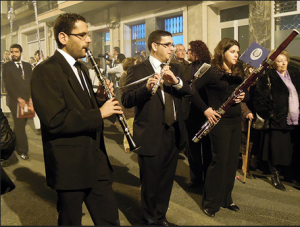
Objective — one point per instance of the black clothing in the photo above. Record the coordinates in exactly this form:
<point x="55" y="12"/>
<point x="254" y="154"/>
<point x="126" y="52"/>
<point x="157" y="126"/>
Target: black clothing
<point x="159" y="143"/>
<point x="76" y="161"/>
<point x="8" y="143"/>
<point x="225" y="138"/>
<point x="278" y="143"/>
<point x="17" y="87"/>
<point x="198" y="154"/>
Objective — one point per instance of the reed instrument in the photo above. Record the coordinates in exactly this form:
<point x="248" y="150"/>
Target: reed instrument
<point x="207" y="126"/>
<point x="155" y="86"/>
<point x="121" y="117"/>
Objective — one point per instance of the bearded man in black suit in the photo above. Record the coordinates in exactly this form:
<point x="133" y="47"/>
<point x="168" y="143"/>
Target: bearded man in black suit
<point x="158" y="125"/>
<point x="16" y="77"/>
<point x="71" y="115"/>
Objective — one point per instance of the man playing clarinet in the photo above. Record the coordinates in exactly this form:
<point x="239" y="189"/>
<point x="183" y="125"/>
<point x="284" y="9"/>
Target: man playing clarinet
<point x="71" y="116"/>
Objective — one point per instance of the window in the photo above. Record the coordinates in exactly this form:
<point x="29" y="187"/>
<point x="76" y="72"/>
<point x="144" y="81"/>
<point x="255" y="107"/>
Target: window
<point x="174" y="25"/>
<point x="234" y="24"/>
<point x="106" y="42"/>
<point x="138" y="39"/>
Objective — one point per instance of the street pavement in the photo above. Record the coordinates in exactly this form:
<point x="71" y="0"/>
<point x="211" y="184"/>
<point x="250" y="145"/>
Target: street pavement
<point x="32" y="203"/>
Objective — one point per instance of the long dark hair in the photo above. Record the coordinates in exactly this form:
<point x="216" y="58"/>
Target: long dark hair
<point x="224" y="45"/>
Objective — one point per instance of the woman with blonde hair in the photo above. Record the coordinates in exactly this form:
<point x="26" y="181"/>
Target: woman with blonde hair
<point x="277" y="99"/>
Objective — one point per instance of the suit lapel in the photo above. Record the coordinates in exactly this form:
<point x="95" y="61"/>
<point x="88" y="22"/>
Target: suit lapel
<point x="149" y="69"/>
<point x="72" y="79"/>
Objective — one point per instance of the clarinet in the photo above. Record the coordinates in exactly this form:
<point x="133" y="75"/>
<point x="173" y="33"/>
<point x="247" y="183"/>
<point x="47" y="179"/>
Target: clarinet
<point x="155" y="87"/>
<point x="207" y="126"/>
<point x="121" y="117"/>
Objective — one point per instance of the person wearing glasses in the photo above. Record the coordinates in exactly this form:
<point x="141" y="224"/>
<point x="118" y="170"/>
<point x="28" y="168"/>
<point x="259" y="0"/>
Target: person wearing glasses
<point x="158" y="124"/>
<point x="220" y="81"/>
<point x="71" y="115"/>
<point x="179" y="56"/>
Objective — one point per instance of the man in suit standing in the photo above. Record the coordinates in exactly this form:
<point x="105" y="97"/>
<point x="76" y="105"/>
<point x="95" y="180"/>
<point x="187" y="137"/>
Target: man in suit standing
<point x="71" y="115"/>
<point x="17" y="76"/>
<point x="158" y="125"/>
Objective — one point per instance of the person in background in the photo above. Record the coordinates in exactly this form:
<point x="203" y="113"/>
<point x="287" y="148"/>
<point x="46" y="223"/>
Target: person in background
<point x="117" y="71"/>
<point x="180" y="56"/>
<point x="143" y="55"/>
<point x="138" y="59"/>
<point x="112" y="62"/>
<point x="220" y="81"/>
<point x="280" y="104"/>
<point x="128" y="112"/>
<point x="5" y="57"/>
<point x="158" y="125"/>
<point x="39" y="57"/>
<point x="199" y="154"/>
<point x="71" y="114"/>
<point x="93" y="75"/>
<point x="17" y="76"/>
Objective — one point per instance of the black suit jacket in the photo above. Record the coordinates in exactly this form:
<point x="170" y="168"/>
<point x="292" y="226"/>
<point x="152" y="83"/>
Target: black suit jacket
<point x="149" y="122"/>
<point x="71" y="129"/>
<point x="15" y="85"/>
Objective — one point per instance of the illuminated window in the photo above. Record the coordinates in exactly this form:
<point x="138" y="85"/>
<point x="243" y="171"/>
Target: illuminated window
<point x="138" y="39"/>
<point x="174" y="25"/>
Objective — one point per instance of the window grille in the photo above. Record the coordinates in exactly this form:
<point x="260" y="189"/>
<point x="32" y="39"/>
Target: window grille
<point x="288" y="22"/>
<point x="174" y="25"/>
<point x="138" y="38"/>
<point x="285" y="6"/>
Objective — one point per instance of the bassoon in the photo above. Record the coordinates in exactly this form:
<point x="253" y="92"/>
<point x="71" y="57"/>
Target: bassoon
<point x="207" y="126"/>
<point x="121" y="117"/>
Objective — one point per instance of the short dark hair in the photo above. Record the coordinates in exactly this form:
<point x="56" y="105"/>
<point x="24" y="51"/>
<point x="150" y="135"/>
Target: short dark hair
<point x="155" y="37"/>
<point x="121" y="57"/>
<point x="37" y="52"/>
<point x="117" y="49"/>
<point x="17" y="46"/>
<point x="65" y="23"/>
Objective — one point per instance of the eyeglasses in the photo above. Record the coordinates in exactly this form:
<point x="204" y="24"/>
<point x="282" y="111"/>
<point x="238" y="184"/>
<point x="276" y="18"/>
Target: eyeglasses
<point x="166" y="44"/>
<point x="82" y="36"/>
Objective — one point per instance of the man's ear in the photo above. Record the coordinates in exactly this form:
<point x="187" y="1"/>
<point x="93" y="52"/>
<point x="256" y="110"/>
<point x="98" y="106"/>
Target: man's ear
<point x="154" y="46"/>
<point x="63" y="38"/>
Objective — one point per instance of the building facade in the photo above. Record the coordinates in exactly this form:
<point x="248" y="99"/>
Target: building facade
<point x="127" y="24"/>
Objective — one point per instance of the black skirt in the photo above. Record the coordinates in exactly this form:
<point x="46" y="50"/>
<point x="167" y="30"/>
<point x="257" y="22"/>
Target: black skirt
<point x="278" y="147"/>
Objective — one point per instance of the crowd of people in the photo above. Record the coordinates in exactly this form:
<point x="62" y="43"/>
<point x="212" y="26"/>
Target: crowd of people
<point x="71" y="104"/>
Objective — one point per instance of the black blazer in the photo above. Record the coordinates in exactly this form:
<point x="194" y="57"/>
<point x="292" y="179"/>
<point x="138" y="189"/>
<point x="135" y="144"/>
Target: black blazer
<point x="279" y="107"/>
<point x="71" y="129"/>
<point x="15" y="85"/>
<point x="149" y="119"/>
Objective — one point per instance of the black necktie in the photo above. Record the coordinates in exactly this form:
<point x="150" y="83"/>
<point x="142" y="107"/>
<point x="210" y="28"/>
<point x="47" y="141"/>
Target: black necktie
<point x="169" y="109"/>
<point x="20" y="68"/>
<point x="85" y="89"/>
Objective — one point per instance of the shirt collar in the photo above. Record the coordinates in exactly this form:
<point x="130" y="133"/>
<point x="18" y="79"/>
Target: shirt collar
<point x="154" y="62"/>
<point x="68" y="57"/>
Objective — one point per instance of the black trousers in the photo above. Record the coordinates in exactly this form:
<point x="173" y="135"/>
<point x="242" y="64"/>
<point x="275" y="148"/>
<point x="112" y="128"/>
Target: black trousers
<point x="199" y="157"/>
<point x="225" y="145"/>
<point x="100" y="201"/>
<point x="19" y="129"/>
<point x="157" y="175"/>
